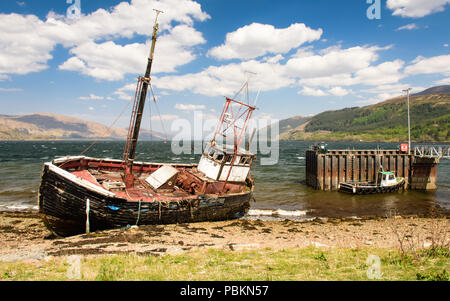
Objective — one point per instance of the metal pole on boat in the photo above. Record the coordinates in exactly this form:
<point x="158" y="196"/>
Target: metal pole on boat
<point x="140" y="107"/>
<point x="143" y="95"/>
<point x="409" y="124"/>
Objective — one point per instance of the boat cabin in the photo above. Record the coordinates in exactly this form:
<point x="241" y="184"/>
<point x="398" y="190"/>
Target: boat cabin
<point x="386" y="178"/>
<point x="216" y="162"/>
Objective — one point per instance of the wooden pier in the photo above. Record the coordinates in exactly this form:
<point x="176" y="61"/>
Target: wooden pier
<point x="326" y="169"/>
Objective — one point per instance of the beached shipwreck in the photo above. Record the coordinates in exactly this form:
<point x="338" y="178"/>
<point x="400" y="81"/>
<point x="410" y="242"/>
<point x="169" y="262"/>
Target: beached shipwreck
<point x="79" y="193"/>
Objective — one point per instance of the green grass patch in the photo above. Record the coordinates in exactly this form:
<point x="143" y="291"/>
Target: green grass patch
<point x="256" y="265"/>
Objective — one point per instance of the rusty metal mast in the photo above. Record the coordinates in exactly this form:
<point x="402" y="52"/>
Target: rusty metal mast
<point x="138" y="109"/>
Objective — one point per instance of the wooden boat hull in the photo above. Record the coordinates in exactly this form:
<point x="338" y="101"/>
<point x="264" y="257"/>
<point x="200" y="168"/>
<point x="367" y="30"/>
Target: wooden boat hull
<point x="369" y="189"/>
<point x="63" y="203"/>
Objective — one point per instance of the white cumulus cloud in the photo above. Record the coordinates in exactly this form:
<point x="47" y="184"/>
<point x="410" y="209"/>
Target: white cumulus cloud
<point x="335" y="91"/>
<point x="384" y="73"/>
<point x="189" y="107"/>
<point x="91" y="97"/>
<point x="339" y="91"/>
<point x="444" y="81"/>
<point x="333" y="60"/>
<point x="437" y="64"/>
<point x="24" y="48"/>
<point x="111" y="61"/>
<point x="312" y="92"/>
<point x="320" y="73"/>
<point x="416" y="8"/>
<point x="226" y="80"/>
<point x="411" y="26"/>
<point x="26" y="41"/>
<point x="257" y="39"/>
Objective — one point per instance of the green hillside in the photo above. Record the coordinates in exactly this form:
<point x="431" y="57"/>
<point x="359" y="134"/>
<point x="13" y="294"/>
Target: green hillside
<point x="284" y="126"/>
<point x="386" y="121"/>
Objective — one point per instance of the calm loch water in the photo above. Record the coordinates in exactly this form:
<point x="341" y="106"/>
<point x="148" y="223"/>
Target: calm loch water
<point x="280" y="189"/>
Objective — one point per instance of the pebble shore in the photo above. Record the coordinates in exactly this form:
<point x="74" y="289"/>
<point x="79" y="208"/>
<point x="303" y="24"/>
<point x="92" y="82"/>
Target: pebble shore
<point x="23" y="236"/>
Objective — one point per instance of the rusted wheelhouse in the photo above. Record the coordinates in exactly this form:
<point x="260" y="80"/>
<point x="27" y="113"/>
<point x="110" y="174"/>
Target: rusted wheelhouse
<point x="225" y="160"/>
<point x="79" y="193"/>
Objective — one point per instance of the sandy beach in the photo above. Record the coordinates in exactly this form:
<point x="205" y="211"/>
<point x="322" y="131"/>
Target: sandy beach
<point x="23" y="236"/>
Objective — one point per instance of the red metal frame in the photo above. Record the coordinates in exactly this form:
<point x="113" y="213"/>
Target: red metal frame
<point x="245" y="116"/>
<point x="238" y="136"/>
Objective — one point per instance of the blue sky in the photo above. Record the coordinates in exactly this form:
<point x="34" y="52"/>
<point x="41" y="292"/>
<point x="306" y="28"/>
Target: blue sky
<point x="308" y="56"/>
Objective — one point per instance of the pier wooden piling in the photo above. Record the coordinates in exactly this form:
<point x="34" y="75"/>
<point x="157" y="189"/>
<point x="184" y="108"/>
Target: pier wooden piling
<point x="325" y="170"/>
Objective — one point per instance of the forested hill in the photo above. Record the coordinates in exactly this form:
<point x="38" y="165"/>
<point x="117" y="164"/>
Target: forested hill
<point x="385" y="121"/>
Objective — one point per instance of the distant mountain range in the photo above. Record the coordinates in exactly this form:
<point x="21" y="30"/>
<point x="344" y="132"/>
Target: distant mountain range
<point x="383" y="122"/>
<point x="435" y="90"/>
<point x="41" y="126"/>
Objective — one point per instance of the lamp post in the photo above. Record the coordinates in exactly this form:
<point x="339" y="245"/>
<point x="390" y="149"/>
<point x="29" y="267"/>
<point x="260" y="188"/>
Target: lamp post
<point x="409" y="124"/>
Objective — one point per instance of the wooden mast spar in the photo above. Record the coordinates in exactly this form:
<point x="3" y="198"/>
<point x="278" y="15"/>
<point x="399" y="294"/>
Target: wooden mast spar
<point x="138" y="109"/>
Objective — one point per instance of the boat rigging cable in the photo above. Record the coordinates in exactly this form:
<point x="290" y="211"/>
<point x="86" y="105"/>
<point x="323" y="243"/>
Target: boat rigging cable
<point x="141" y="80"/>
<point x="107" y="131"/>
<point x="159" y="114"/>
<point x="150" y="118"/>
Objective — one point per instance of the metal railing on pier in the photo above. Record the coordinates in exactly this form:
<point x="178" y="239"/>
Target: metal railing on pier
<point x="432" y="151"/>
